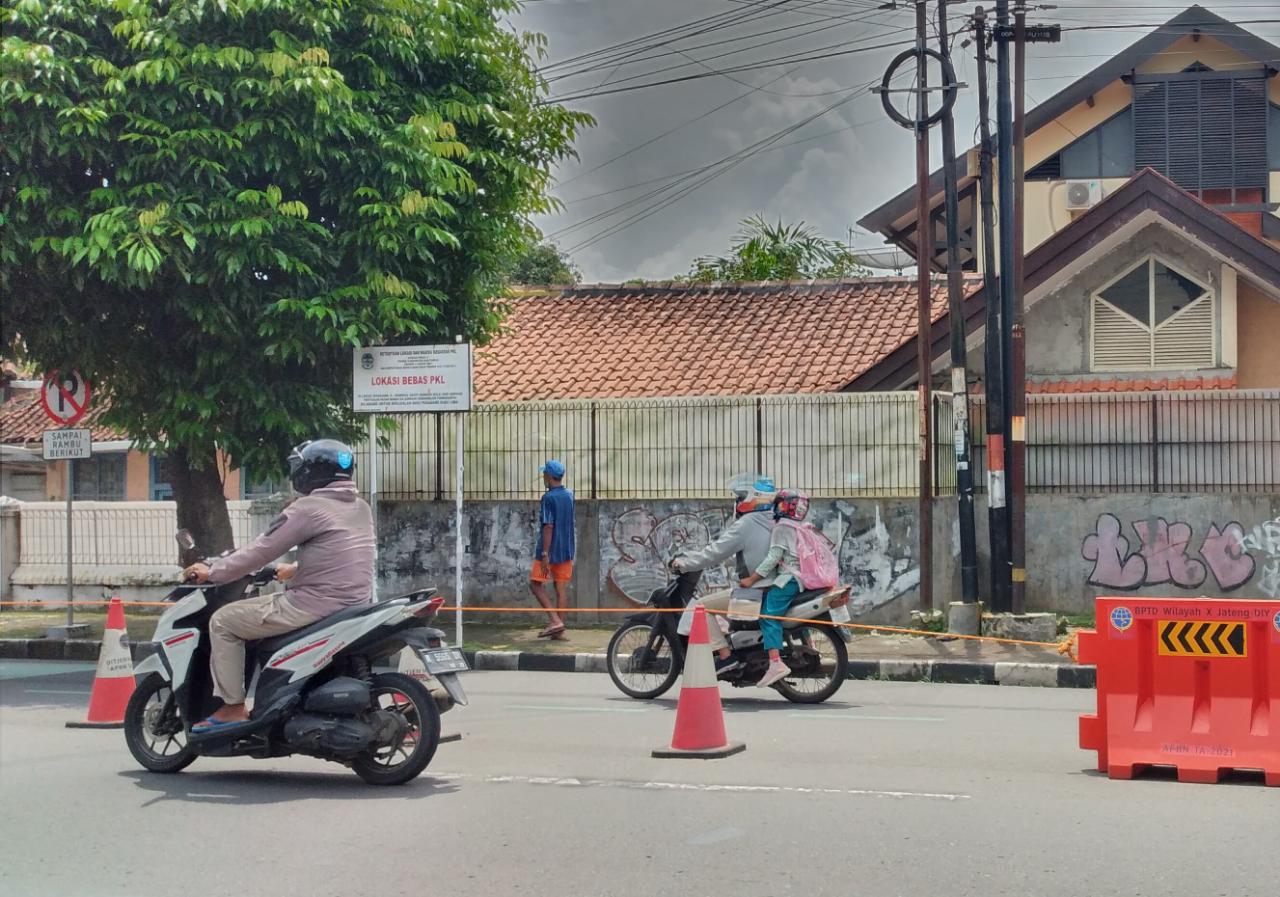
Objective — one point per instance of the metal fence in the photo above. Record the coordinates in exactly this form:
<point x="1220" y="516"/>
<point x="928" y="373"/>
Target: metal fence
<point x="839" y="445"/>
<point x="114" y="533"/>
<point x="833" y="445"/>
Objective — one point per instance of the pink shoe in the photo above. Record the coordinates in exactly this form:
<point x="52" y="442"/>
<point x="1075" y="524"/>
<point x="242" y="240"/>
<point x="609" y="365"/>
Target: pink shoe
<point x="776" y="672"/>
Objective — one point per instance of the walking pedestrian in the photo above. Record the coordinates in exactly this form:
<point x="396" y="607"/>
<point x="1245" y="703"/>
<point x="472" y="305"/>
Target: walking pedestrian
<point x="555" y="548"/>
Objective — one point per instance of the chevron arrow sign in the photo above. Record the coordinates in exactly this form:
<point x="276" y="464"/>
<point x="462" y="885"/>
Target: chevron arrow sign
<point x="1179" y="638"/>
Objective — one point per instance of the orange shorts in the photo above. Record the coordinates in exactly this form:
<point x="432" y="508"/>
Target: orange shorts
<point x="559" y="572"/>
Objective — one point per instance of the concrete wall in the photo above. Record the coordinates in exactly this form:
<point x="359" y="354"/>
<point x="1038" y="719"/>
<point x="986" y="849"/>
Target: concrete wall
<point x="1078" y="548"/>
<point x="623" y="549"/>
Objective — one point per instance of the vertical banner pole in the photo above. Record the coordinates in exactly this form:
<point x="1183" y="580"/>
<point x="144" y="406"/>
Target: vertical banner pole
<point x="373" y="494"/>
<point x="458" y="546"/>
<point x="71" y="613"/>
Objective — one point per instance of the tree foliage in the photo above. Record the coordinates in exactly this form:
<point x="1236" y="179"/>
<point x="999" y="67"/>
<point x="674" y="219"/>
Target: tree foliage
<point x="542" y="264"/>
<point x="764" y="251"/>
<point x="206" y="204"/>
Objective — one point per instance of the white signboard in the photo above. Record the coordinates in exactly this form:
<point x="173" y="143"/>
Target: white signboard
<point x="391" y="379"/>
<point x="65" y="445"/>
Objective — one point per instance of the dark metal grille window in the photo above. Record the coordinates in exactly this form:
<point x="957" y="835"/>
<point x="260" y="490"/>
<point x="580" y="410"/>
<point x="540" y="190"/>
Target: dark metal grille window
<point x="1104" y="152"/>
<point x="100" y="478"/>
<point x="1202" y="130"/>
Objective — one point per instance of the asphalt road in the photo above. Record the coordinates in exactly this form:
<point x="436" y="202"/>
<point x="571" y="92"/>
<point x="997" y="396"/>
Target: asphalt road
<point x="890" y="789"/>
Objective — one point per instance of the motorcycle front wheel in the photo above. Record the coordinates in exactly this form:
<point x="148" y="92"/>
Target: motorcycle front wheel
<point x="153" y="730"/>
<point x="404" y="759"/>
<point x="826" y="667"/>
<point x="640" y="661"/>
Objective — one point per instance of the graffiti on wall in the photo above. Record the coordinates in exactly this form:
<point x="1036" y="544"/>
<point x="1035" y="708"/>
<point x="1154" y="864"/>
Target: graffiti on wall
<point x="1168" y="553"/>
<point x="646" y="544"/>
<point x="880" y="566"/>
<point x="1265" y="539"/>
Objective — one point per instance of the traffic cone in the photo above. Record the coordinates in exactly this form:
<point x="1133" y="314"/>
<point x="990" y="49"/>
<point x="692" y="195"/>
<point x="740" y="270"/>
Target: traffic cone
<point x="411" y="665"/>
<point x="113" y="683"/>
<point x="699" y="731"/>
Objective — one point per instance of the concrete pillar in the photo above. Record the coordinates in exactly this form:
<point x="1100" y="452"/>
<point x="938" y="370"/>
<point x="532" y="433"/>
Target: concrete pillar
<point x="10" y="547"/>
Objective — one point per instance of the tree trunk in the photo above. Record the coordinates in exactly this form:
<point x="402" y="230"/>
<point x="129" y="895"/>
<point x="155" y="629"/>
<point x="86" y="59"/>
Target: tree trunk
<point x="202" y="509"/>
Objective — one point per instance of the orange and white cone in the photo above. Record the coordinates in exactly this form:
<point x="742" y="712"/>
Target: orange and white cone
<point x="113" y="683"/>
<point x="699" y="731"/>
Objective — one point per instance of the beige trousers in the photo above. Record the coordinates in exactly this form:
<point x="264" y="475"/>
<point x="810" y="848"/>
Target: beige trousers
<point x="715" y="601"/>
<point x="245" y="621"/>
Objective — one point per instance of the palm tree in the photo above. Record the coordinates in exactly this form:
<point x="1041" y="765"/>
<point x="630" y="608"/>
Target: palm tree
<point x="764" y="251"/>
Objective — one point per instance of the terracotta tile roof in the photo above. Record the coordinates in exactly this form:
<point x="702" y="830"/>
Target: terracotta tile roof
<point x="1226" y="381"/>
<point x="604" y="341"/>
<point x="22" y="420"/>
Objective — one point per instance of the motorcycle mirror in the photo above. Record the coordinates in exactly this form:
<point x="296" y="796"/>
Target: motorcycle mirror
<point x="184" y="540"/>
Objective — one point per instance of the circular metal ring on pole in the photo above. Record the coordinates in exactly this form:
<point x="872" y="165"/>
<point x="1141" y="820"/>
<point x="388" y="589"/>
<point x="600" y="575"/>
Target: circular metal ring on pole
<point x="950" y="87"/>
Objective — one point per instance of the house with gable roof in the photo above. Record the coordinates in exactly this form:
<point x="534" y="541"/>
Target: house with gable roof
<point x="1151" y="222"/>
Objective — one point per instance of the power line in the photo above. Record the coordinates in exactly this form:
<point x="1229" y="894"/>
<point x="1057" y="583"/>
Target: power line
<point x="712" y="171"/>
<point x="761" y="64"/>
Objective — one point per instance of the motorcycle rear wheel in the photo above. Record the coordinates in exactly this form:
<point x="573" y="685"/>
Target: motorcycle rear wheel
<point x="633" y="648"/>
<point x="833" y="660"/>
<point x="414" y="702"/>
<point x="151" y="706"/>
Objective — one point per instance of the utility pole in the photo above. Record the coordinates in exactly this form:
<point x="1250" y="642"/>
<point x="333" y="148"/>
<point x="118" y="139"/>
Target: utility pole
<point x="924" y="306"/>
<point x="1017" y="332"/>
<point x="993" y="360"/>
<point x="920" y="120"/>
<point x="959" y="362"/>
<point x="1004" y="161"/>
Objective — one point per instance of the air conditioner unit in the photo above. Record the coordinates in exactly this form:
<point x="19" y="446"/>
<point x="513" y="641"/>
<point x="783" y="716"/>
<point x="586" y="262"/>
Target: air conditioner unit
<point x="1083" y="194"/>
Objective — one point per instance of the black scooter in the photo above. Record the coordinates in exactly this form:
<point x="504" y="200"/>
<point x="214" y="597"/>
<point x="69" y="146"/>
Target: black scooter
<point x="314" y="690"/>
<point x="646" y="654"/>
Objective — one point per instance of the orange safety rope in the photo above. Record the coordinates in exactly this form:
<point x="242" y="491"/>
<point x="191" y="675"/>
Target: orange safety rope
<point x="1065" y="647"/>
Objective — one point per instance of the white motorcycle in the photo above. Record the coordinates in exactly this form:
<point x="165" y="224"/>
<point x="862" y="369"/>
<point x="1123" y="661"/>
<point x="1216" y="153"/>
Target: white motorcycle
<point x="313" y="690"/>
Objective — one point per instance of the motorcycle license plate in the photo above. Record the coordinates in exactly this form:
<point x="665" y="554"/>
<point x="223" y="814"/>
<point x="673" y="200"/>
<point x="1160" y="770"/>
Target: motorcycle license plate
<point x="444" y="660"/>
<point x="840" y="614"/>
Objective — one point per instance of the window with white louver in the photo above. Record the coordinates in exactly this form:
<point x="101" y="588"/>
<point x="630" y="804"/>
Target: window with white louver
<point x="1152" y="317"/>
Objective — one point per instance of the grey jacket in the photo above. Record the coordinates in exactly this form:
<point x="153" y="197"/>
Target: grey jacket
<point x="333" y="531"/>
<point x="747" y="537"/>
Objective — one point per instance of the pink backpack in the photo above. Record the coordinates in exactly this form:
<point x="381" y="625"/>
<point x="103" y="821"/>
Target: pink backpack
<point x="818" y="566"/>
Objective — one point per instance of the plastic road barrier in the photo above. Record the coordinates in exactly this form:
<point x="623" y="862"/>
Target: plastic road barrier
<point x="1189" y="683"/>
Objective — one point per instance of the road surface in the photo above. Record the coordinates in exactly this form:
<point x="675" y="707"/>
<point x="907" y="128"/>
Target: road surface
<point x="896" y="789"/>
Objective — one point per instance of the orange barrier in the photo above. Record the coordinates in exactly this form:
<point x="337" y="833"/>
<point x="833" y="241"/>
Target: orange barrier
<point x="699" y="731"/>
<point x="1189" y="683"/>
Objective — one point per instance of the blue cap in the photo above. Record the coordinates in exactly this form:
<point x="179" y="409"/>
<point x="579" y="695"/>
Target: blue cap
<point x="554" y="468"/>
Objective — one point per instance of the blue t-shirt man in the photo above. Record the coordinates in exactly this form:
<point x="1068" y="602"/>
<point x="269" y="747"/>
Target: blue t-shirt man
<point x="554" y="550"/>
<point x="556" y="511"/>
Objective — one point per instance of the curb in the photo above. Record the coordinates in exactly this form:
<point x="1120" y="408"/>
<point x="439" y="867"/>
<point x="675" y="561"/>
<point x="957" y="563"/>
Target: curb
<point x="1036" y="675"/>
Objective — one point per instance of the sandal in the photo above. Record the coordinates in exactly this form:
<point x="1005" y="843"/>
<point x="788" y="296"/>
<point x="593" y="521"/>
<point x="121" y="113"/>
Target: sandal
<point x="552" y="631"/>
<point x="209" y="724"/>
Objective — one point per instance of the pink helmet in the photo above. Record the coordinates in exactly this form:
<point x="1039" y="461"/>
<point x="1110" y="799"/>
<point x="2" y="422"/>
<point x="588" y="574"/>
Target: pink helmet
<point x="790" y="504"/>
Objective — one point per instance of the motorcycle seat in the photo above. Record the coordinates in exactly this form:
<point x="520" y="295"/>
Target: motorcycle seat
<point x="269" y="646"/>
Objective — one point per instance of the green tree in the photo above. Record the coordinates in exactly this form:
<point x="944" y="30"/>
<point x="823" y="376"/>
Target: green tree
<point x="764" y="251"/>
<point x="205" y="205"/>
<point x="542" y="264"/>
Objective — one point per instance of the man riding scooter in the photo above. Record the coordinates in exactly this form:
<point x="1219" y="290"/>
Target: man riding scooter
<point x="747" y="540"/>
<point x="332" y="528"/>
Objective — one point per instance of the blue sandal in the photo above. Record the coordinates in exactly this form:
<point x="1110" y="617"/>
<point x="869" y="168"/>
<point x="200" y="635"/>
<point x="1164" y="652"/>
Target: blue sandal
<point x="209" y="724"/>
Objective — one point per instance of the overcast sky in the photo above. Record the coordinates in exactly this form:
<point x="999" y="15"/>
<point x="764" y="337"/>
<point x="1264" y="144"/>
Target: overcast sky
<point x="837" y="167"/>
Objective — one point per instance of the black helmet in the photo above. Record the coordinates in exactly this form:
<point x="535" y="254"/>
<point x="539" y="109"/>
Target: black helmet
<point x="319" y="463"/>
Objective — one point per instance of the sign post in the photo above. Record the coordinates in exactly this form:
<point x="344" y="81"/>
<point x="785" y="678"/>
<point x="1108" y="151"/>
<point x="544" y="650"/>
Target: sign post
<point x="65" y="398"/>
<point x="410" y="379"/>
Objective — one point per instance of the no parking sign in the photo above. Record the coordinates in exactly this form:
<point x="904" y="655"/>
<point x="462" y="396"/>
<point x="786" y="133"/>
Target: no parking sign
<point x="65" y="397"/>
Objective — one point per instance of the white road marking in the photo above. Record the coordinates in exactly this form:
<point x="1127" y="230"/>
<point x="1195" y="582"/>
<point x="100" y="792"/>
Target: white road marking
<point x="567" y="708"/>
<point x="572" y="782"/>
<point x="863" y="716"/>
<point x="52" y="691"/>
